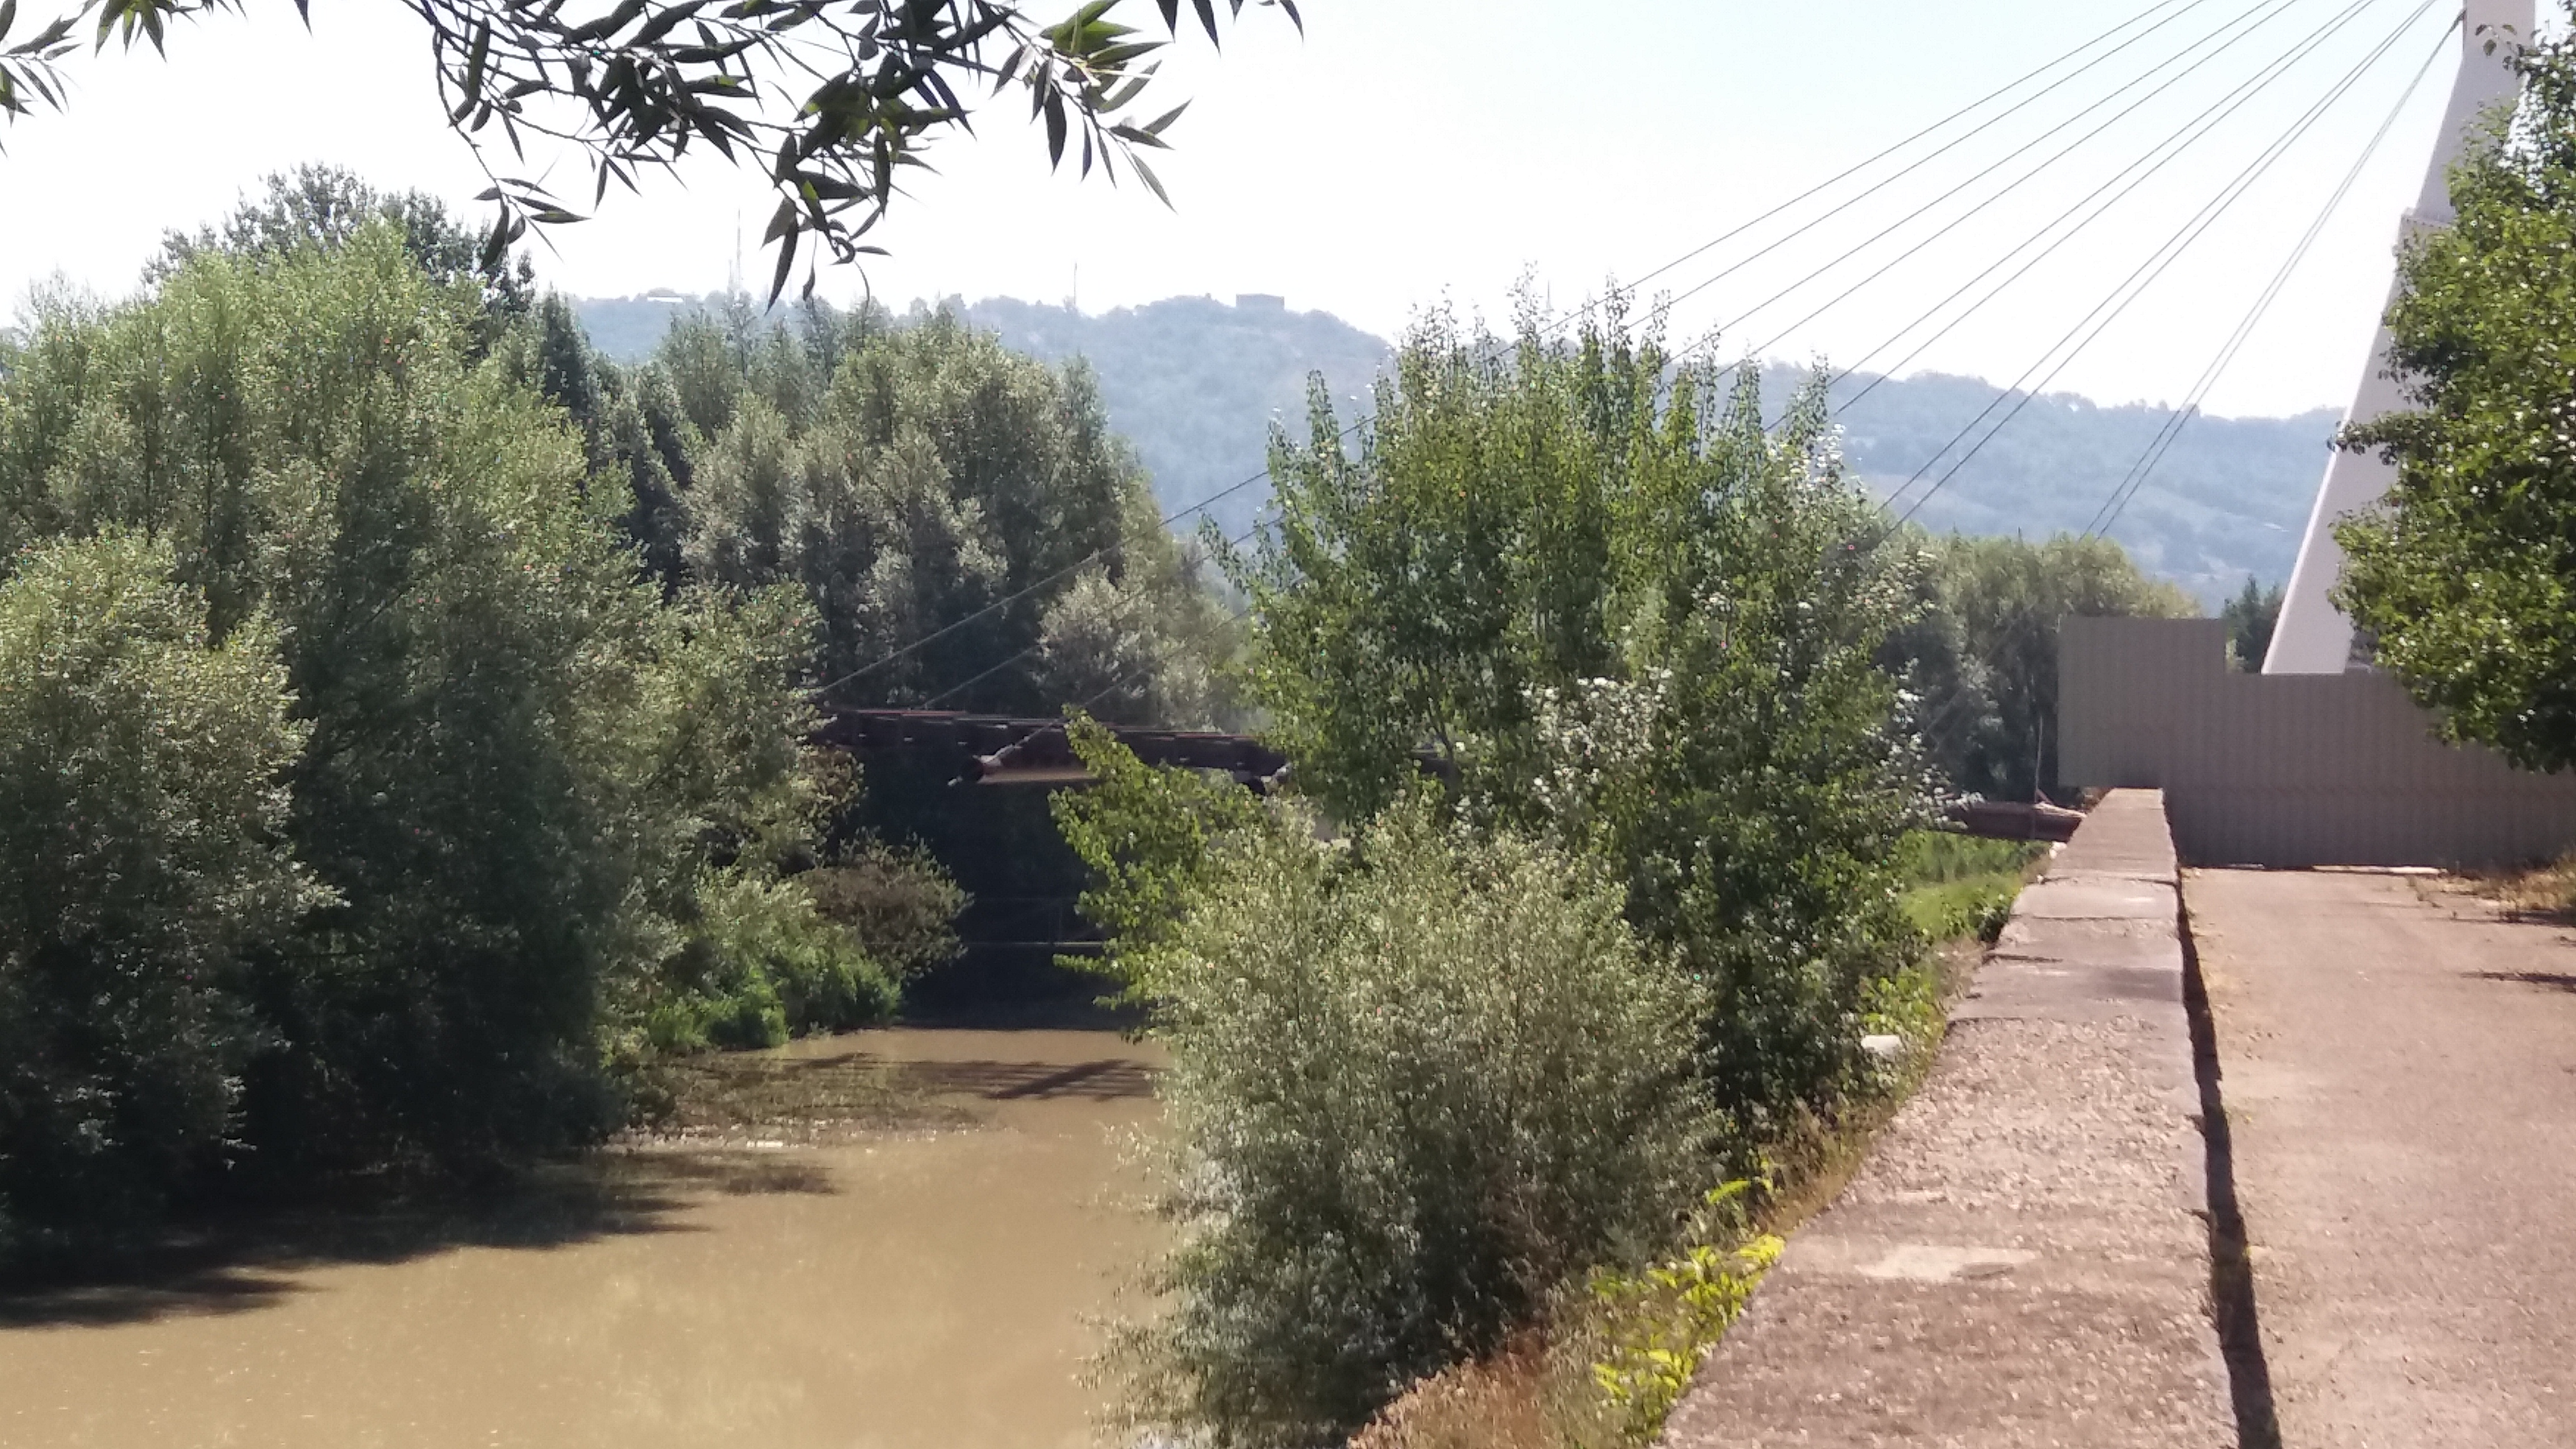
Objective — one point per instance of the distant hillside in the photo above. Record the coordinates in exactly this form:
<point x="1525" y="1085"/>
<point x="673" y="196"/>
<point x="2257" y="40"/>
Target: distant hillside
<point x="629" y="328"/>
<point x="2230" y="499"/>
<point x="1195" y="383"/>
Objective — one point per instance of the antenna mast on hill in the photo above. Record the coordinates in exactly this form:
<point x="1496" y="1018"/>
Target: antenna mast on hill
<point x="2313" y="636"/>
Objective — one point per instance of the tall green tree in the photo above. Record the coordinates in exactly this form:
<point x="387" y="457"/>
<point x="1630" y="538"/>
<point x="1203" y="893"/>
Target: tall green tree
<point x="2251" y="617"/>
<point x="1590" y="587"/>
<point x="528" y="784"/>
<point x="143" y="814"/>
<point x="325" y="206"/>
<point x="1982" y="656"/>
<point x="635" y="433"/>
<point x="933" y="486"/>
<point x="2465" y="576"/>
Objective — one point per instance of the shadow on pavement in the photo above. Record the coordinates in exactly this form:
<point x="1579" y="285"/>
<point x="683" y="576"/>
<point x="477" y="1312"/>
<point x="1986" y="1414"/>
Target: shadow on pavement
<point x="2557" y="981"/>
<point x="2231" y="1267"/>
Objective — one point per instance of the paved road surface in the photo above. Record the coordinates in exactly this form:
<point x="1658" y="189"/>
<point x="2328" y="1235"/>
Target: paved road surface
<point x="2399" y="1070"/>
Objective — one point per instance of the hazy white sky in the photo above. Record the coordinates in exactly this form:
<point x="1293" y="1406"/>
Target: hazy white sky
<point x="1403" y="152"/>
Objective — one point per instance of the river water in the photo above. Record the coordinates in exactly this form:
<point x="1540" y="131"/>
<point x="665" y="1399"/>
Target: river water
<point x="898" y="1286"/>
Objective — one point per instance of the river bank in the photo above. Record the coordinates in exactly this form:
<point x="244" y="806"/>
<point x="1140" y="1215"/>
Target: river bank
<point x="918" y="1267"/>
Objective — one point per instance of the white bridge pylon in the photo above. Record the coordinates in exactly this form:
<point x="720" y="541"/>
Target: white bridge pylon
<point x="2313" y="636"/>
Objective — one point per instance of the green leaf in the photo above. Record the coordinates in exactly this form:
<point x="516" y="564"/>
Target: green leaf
<point x="475" y="61"/>
<point x="664" y="23"/>
<point x="1115" y="57"/>
<point x="497" y="244"/>
<point x="782" y="222"/>
<point x="608" y="24"/>
<point x="1153" y="183"/>
<point x="1010" y="67"/>
<point x="786" y="257"/>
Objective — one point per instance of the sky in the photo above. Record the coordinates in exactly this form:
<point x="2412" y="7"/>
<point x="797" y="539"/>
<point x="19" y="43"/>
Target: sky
<point x="1407" y="154"/>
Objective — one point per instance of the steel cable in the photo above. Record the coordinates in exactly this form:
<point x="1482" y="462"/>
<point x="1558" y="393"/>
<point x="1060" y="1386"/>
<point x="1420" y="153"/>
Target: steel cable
<point x="2257" y="22"/>
<point x="2172" y="147"/>
<point x="1203" y="504"/>
<point x="2136" y="283"/>
<point x="2126" y="490"/>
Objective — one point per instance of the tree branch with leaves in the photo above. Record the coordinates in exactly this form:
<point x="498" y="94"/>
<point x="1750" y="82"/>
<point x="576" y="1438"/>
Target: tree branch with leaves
<point x="835" y="99"/>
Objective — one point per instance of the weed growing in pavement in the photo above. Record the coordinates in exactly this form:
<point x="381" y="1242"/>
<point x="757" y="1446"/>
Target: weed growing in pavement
<point x="2544" y="892"/>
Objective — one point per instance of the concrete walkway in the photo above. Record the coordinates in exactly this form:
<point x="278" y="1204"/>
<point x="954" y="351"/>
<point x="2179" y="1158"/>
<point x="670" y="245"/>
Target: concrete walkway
<point x="2022" y="1260"/>
<point x="2399" y="1073"/>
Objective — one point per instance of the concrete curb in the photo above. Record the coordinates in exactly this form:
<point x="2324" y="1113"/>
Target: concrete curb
<point x="2024" y="1259"/>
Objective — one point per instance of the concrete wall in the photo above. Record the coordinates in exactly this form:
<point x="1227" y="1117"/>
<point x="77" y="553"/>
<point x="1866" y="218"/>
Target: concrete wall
<point x="2288" y="770"/>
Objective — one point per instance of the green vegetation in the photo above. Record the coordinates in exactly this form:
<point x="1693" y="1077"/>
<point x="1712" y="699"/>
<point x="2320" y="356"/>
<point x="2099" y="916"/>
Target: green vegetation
<point x="914" y="483"/>
<point x="408" y="708"/>
<point x="518" y="777"/>
<point x="1657" y="1327"/>
<point x="1196" y="385"/>
<point x="1959" y="885"/>
<point x="1416" y="1083"/>
<point x="1980" y="657"/>
<point x="1626" y="618"/>
<point x="1620" y="946"/>
<point x="2463" y="577"/>
<point x="1611" y="1356"/>
<point x="140" y="859"/>
<point x="1618" y="1350"/>
<point x="1192" y="383"/>
<point x="2251" y="617"/>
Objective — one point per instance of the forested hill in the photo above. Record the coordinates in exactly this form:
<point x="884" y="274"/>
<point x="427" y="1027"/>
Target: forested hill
<point x="2230" y="498"/>
<point x="1195" y="384"/>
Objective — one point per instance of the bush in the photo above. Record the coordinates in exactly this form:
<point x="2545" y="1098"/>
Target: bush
<point x="1626" y="613"/>
<point x="140" y="816"/>
<point x="765" y="965"/>
<point x="1960" y="885"/>
<point x="1932" y="857"/>
<point x="1417" y="1082"/>
<point x="900" y="906"/>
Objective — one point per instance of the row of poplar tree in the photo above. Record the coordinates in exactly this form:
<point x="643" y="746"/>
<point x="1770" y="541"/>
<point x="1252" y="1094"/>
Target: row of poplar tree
<point x="404" y="712"/>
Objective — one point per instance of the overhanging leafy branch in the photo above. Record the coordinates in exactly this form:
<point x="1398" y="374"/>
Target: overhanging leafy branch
<point x="834" y="98"/>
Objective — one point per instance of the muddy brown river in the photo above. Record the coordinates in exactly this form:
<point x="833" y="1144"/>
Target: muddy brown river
<point x="894" y="1286"/>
